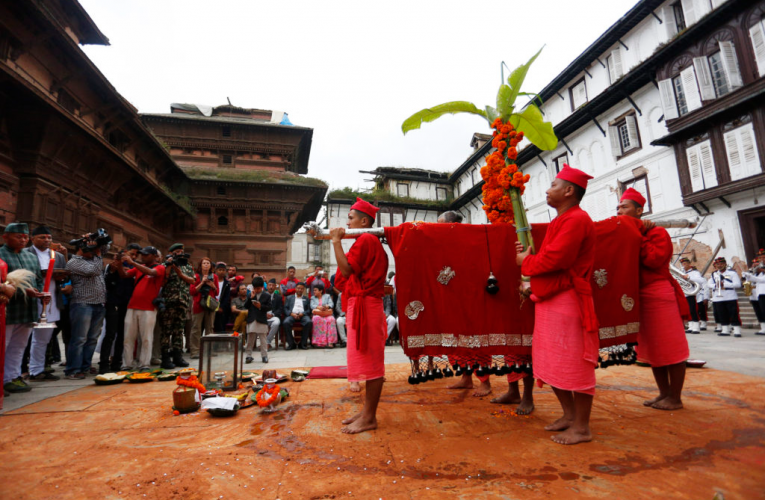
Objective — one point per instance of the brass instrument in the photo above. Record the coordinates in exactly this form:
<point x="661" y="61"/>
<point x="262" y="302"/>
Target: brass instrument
<point x="718" y="278"/>
<point x="689" y="287"/>
<point x="747" y="285"/>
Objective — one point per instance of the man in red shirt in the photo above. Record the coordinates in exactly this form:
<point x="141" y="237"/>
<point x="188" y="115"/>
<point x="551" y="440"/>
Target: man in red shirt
<point x="141" y="313"/>
<point x="288" y="284"/>
<point x="661" y="339"/>
<point x="565" y="344"/>
<point x="361" y="278"/>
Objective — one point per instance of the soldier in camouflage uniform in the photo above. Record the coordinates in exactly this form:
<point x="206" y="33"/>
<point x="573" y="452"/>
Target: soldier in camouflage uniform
<point x="177" y="297"/>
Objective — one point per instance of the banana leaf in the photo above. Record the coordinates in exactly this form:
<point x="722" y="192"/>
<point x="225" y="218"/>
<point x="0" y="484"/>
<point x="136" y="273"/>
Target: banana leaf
<point x="431" y="114"/>
<point x="531" y="122"/>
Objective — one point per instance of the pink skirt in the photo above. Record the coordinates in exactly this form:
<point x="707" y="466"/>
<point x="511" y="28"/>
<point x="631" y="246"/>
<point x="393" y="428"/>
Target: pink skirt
<point x="558" y="345"/>
<point x="661" y="340"/>
<point x="370" y="363"/>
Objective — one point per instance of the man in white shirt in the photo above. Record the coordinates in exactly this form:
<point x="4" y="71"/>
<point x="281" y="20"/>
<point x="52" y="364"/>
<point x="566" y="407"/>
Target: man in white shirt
<point x="756" y="276"/>
<point x="722" y="286"/>
<point x="692" y="274"/>
<point x="297" y="309"/>
<point x="41" y="247"/>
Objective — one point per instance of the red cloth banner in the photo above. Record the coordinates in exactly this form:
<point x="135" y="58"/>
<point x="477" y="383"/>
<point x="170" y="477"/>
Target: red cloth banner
<point x="442" y="272"/>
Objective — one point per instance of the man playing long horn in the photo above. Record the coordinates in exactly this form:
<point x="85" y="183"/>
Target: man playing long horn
<point x="565" y="344"/>
<point x="361" y="277"/>
<point x="661" y="340"/>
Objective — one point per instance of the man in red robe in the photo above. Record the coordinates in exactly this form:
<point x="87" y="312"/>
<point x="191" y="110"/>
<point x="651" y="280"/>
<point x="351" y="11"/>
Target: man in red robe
<point x="361" y="278"/>
<point x="661" y="339"/>
<point x="565" y="344"/>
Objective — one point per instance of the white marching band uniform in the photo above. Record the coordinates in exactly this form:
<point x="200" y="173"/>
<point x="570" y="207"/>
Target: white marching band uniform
<point x="722" y="291"/>
<point x="758" y="296"/>
<point x="695" y="276"/>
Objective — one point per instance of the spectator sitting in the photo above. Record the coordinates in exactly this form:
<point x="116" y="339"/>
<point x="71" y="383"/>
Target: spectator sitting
<point x="297" y="308"/>
<point x="206" y="284"/>
<point x="257" y="320"/>
<point x="274" y="316"/>
<point x="87" y="309"/>
<point x="118" y="293"/>
<point x="289" y="283"/>
<point x="141" y="315"/>
<point x="239" y="309"/>
<point x="340" y="321"/>
<point x="324" y="327"/>
<point x="21" y="313"/>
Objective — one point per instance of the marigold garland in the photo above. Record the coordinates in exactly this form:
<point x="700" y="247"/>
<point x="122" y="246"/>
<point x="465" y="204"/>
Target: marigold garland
<point x="501" y="174"/>
<point x="192" y="382"/>
<point x="273" y="393"/>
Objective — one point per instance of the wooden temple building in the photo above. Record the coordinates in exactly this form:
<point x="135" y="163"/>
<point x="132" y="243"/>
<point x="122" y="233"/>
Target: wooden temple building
<point x="75" y="155"/>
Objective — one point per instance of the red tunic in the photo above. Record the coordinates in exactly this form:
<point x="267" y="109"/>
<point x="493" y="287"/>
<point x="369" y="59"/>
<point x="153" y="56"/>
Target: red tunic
<point x="362" y="301"/>
<point x="661" y="340"/>
<point x="565" y="350"/>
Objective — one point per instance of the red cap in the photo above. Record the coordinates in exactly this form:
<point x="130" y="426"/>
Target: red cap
<point x="633" y="195"/>
<point x="574" y="176"/>
<point x="365" y="207"/>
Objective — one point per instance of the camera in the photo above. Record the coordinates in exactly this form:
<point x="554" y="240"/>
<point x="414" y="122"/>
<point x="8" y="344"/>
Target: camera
<point x="100" y="238"/>
<point x="159" y="303"/>
<point x="178" y="259"/>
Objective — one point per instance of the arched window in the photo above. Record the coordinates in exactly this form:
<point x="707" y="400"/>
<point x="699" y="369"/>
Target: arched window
<point x="223" y="220"/>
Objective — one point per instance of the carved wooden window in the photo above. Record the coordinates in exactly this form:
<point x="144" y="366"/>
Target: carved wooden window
<point x="222" y="190"/>
<point x="741" y="148"/>
<point x="222" y="221"/>
<point x="227" y="159"/>
<point x="677" y="10"/>
<point x="226" y="131"/>
<point x="578" y="94"/>
<point x="558" y="162"/>
<point x="757" y="37"/>
<point x="624" y="135"/>
<point x="701" y="165"/>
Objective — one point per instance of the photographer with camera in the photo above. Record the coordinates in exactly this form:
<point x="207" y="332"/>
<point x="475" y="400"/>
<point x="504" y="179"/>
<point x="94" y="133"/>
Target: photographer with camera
<point x="118" y="293"/>
<point x="319" y="277"/>
<point x="87" y="310"/>
<point x="176" y="295"/>
<point x="142" y="312"/>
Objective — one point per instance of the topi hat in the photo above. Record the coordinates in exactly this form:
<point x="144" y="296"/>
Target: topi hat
<point x="365" y="207"/>
<point x="633" y="195"/>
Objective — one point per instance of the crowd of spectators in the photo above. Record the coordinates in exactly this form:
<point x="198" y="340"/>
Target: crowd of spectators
<point x="143" y="308"/>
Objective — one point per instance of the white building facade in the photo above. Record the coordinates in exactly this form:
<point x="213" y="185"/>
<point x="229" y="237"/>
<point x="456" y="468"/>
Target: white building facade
<point x="671" y="101"/>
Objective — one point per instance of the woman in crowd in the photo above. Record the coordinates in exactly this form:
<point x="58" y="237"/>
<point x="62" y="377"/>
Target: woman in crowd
<point x="324" y="327"/>
<point x="205" y="286"/>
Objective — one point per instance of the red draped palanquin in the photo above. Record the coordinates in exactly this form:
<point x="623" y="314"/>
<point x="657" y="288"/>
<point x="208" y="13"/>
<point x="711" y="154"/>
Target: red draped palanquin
<point x="3" y="275"/>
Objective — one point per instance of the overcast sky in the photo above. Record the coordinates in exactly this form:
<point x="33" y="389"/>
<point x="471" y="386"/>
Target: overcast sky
<point x="353" y="70"/>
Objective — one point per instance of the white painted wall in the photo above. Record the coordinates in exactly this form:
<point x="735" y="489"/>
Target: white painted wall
<point x="421" y="190"/>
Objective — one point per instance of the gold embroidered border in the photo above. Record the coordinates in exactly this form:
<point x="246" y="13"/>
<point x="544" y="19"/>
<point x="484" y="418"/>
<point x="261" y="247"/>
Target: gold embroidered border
<point x="467" y="341"/>
<point x="611" y="332"/>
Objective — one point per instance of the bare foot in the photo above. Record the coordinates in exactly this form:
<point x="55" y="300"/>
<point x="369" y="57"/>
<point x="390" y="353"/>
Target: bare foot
<point x="668" y="404"/>
<point x="561" y="424"/>
<point x="355" y="387"/>
<point x="466" y="382"/>
<point x="508" y="398"/>
<point x="650" y="402"/>
<point x="525" y="408"/>
<point x="484" y="389"/>
<point x="352" y="419"/>
<point x="360" y="425"/>
<point x="573" y="436"/>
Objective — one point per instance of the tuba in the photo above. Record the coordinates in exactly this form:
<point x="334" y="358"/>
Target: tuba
<point x="689" y="287"/>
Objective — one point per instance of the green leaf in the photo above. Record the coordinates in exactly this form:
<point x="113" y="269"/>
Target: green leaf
<point x="531" y="122"/>
<point x="505" y="98"/>
<point x="491" y="114"/>
<point x="515" y="80"/>
<point x="431" y="114"/>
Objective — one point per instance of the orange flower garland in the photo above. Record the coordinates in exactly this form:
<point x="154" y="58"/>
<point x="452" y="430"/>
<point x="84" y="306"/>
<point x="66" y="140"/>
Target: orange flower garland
<point x="192" y="382"/>
<point x="273" y="393"/>
<point x="500" y="174"/>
